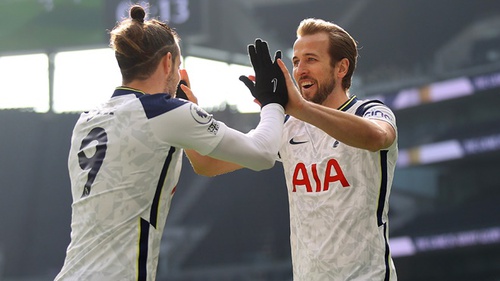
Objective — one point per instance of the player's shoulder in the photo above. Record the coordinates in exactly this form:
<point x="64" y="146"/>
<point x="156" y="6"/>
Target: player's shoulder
<point x="152" y="104"/>
<point x="158" y="104"/>
<point x="375" y="109"/>
<point x="362" y="106"/>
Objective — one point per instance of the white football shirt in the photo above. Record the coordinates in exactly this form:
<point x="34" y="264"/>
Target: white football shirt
<point x="124" y="164"/>
<point x="338" y="197"/>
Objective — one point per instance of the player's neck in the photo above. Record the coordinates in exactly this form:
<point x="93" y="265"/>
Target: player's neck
<point x="336" y="99"/>
<point x="145" y="86"/>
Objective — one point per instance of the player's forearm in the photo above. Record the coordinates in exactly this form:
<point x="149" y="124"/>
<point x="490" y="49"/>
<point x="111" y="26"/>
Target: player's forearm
<point x="208" y="166"/>
<point x="258" y="150"/>
<point x="347" y="128"/>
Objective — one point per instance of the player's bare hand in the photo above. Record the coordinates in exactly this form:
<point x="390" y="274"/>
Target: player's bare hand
<point x="183" y="89"/>
<point x="295" y="99"/>
<point x="185" y="76"/>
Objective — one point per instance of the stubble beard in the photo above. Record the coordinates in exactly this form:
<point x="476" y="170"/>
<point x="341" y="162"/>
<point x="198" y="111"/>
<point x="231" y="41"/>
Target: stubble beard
<point x="323" y="92"/>
<point x="170" y="85"/>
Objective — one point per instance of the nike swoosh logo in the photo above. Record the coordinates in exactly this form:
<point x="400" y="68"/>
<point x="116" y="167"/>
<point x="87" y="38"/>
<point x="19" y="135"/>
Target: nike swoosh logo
<point x="275" y="84"/>
<point x="296" y="142"/>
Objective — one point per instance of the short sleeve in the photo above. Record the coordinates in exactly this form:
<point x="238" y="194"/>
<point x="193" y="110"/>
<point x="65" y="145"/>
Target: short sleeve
<point x="381" y="112"/>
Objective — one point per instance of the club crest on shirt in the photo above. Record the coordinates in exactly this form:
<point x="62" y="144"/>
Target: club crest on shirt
<point x="200" y="115"/>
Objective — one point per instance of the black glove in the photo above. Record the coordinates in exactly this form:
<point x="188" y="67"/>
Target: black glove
<point x="180" y="93"/>
<point x="270" y="85"/>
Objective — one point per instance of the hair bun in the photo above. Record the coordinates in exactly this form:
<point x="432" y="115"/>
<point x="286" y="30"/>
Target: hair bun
<point x="137" y="13"/>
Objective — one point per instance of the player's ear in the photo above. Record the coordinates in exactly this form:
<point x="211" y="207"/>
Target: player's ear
<point x="167" y="62"/>
<point x="343" y="67"/>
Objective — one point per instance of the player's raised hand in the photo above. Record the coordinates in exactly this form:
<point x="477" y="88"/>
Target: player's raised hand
<point x="269" y="85"/>
<point x="183" y="90"/>
<point x="179" y="93"/>
<point x="295" y="99"/>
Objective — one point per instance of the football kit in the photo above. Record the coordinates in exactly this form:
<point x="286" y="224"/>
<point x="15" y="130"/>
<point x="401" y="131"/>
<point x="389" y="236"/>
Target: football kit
<point x="338" y="198"/>
<point x="124" y="162"/>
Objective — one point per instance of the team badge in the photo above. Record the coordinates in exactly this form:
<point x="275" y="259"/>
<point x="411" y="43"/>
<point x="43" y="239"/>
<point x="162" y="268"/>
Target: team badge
<point x="200" y="115"/>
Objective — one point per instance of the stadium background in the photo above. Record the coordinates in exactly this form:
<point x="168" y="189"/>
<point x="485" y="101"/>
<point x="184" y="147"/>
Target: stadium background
<point x="435" y="63"/>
